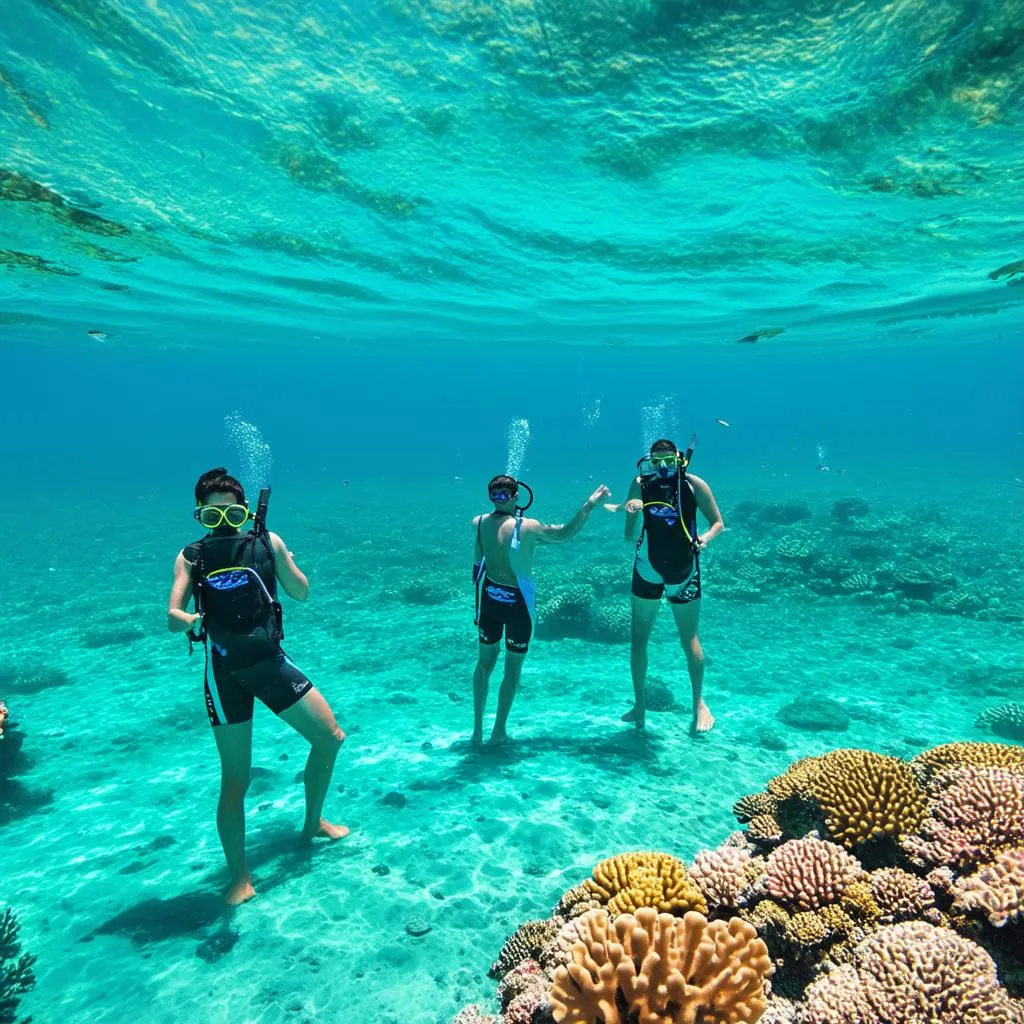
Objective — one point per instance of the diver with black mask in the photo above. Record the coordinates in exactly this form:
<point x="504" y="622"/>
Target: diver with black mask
<point x="667" y="564"/>
<point x="506" y="596"/>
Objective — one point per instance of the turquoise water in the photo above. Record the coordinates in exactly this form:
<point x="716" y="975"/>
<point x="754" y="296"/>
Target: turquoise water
<point x="380" y="234"/>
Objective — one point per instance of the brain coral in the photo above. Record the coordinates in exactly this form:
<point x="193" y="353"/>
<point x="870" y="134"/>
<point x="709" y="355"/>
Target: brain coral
<point x="809" y="873"/>
<point x="630" y="881"/>
<point x="656" y="968"/>
<point x="976" y="811"/>
<point x="912" y="973"/>
<point x="997" y="889"/>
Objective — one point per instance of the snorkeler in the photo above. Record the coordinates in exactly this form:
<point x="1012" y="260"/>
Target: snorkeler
<point x="504" y="544"/>
<point x="234" y="577"/>
<point x="667" y="563"/>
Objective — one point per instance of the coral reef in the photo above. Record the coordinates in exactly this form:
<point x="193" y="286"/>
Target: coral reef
<point x="966" y="755"/>
<point x="996" y="889"/>
<point x="878" y="890"/>
<point x="809" y="873"/>
<point x="16" y="974"/>
<point x="974" y="813"/>
<point x="4" y="714"/>
<point x="1007" y="721"/>
<point x="629" y="881"/>
<point x="910" y="973"/>
<point x="656" y="967"/>
<point x="524" y="944"/>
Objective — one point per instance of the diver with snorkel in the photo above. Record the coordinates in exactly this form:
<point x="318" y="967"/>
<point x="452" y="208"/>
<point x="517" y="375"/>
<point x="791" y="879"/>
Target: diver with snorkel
<point x="506" y="596"/>
<point x="667" y="563"/>
<point x="232" y="576"/>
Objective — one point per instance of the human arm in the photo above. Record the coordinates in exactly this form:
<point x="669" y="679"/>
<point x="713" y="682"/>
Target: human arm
<point x="179" y="620"/>
<point x="634" y="506"/>
<point x="709" y="507"/>
<point x="478" y="550"/>
<point x="289" y="575"/>
<point x="552" y="534"/>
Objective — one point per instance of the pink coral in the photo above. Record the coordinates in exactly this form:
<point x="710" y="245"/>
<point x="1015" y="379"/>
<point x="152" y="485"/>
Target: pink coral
<point x="521" y="979"/>
<point x="912" y="973"/>
<point x="997" y="889"/>
<point x="975" y="812"/>
<point x="810" y="873"/>
<point x="474" y="1015"/>
<point x="900" y="895"/>
<point x="721" y="875"/>
<point x="521" y="1009"/>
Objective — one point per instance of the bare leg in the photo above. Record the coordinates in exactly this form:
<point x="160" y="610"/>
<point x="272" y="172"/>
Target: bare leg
<point x="644" y="612"/>
<point x="507" y="694"/>
<point x="313" y="719"/>
<point x="234" y="744"/>
<point x="485" y="663"/>
<point x="687" y="618"/>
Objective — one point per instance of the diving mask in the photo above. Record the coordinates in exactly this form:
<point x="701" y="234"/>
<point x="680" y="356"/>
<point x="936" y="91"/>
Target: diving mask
<point x="500" y="497"/>
<point x="215" y="516"/>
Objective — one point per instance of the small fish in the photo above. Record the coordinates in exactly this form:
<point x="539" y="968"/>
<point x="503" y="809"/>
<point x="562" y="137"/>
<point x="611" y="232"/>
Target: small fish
<point x="823" y="468"/>
<point x="750" y="338"/>
<point x="840" y="472"/>
<point x="347" y="483"/>
<point x="722" y="423"/>
<point x="98" y="335"/>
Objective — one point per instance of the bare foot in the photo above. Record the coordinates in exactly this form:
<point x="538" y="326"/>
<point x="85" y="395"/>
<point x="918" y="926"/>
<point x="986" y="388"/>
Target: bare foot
<point x="703" y="720"/>
<point x="636" y="715"/>
<point x="325" y="830"/>
<point x="499" y="739"/>
<point x="477" y="739"/>
<point x="239" y="892"/>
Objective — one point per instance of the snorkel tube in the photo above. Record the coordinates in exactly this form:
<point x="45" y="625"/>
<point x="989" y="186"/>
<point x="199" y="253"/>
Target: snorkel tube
<point x="259" y="521"/>
<point x="520" y="509"/>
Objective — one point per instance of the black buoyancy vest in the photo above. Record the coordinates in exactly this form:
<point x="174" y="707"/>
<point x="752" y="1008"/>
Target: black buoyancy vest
<point x="235" y="584"/>
<point x="669" y="505"/>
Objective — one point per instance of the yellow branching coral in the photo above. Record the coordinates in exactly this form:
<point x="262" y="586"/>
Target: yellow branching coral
<point x="630" y="881"/>
<point x="795" y="780"/>
<point x="865" y="795"/>
<point x="659" y="969"/>
<point x="967" y="755"/>
<point x="753" y="804"/>
<point x="764" y="828"/>
<point x="860" y="901"/>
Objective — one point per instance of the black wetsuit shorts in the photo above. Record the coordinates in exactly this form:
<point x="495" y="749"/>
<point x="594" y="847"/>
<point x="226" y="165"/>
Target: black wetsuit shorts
<point x="678" y="593"/>
<point x="501" y="607"/>
<point x="231" y="692"/>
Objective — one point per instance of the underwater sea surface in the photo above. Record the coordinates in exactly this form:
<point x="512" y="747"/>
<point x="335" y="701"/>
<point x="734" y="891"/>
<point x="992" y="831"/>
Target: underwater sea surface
<point x="374" y="254"/>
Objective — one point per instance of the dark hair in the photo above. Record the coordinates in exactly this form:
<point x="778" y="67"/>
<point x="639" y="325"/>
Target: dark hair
<point x="215" y="481"/>
<point x="664" y="445"/>
<point x="504" y="480"/>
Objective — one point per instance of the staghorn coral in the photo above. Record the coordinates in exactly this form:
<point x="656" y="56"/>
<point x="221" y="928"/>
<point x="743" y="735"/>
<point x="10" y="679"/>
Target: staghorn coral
<point x="657" y="968"/>
<point x="930" y="763"/>
<point x="809" y="873"/>
<point x="1006" y="720"/>
<point x="911" y="973"/>
<point x="525" y="944"/>
<point x="997" y="889"/>
<point x="899" y="895"/>
<point x="630" y="881"/>
<point x="975" y="812"/>
<point x="575" y="902"/>
<point x="753" y="804"/>
<point x="721" y="875"/>
<point x="16" y="974"/>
